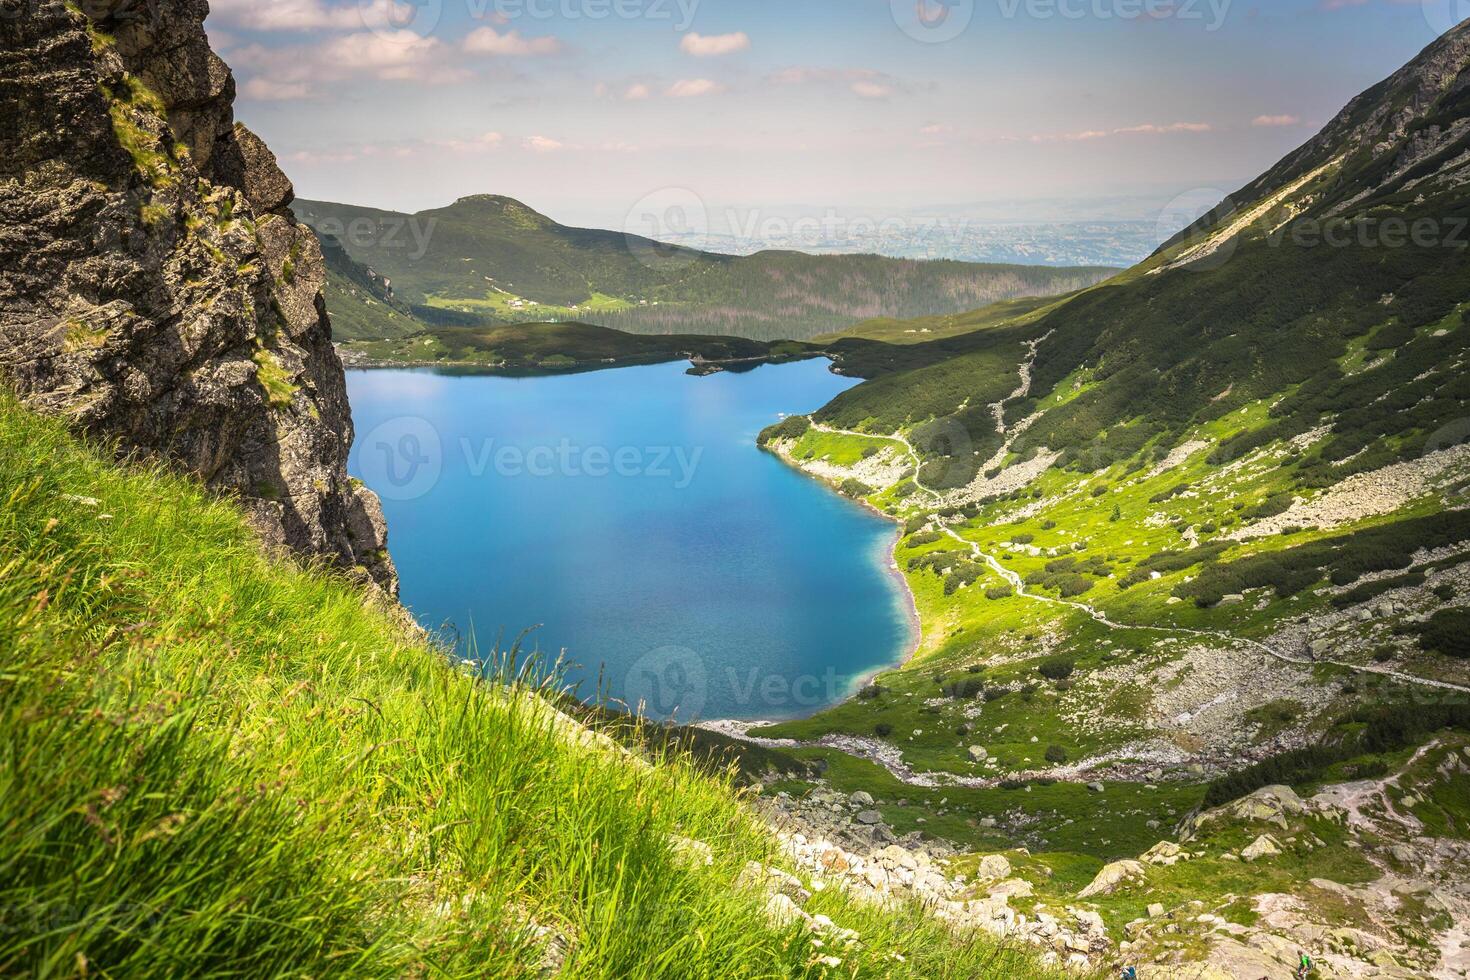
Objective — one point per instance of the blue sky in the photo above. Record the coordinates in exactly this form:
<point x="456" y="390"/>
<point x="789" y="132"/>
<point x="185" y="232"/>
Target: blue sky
<point x="583" y="108"/>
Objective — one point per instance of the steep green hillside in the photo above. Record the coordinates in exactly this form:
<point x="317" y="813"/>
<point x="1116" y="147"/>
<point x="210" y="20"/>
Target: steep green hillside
<point x="1335" y="285"/>
<point x="1198" y="529"/>
<point x="494" y="259"/>
<point x="359" y="302"/>
<point x="215" y="762"/>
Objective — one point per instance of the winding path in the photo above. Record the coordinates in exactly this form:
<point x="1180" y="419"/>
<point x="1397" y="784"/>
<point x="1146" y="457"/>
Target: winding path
<point x="1019" y="585"/>
<point x="890" y="757"/>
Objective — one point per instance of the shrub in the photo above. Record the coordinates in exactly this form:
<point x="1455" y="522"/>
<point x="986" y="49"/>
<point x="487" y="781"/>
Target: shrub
<point x="1447" y="633"/>
<point x="1169" y="494"/>
<point x="965" y="689"/>
<point x="883" y="729"/>
<point x="999" y="592"/>
<point x="1277" y="503"/>
<point x="1057" y="668"/>
<point x="855" y="488"/>
<point x="923" y="538"/>
<point x="793" y="427"/>
<point x="871" y="692"/>
<point x="1055" y="754"/>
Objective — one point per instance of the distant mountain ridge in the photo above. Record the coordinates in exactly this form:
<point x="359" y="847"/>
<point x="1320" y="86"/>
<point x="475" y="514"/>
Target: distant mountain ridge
<point x="489" y="258"/>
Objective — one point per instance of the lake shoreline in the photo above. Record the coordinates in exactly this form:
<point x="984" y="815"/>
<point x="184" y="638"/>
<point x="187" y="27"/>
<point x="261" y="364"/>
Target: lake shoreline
<point x="891" y="567"/>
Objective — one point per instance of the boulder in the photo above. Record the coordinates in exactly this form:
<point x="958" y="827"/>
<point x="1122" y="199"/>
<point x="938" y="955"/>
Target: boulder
<point x="861" y="799"/>
<point x="1011" y="888"/>
<point x="1269" y="804"/>
<point x="978" y="753"/>
<point x="994" y="867"/>
<point x="1165" y="853"/>
<point x="1114" y="876"/>
<point x="1262" y="847"/>
<point x="868" y="817"/>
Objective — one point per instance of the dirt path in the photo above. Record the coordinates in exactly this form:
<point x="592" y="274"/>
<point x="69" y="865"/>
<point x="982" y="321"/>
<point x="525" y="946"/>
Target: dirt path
<point x="1019" y="585"/>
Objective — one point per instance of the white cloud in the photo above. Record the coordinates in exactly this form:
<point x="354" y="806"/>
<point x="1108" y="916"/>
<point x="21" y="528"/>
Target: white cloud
<point x="486" y="40"/>
<point x="865" y="83"/>
<point x="474" y="144"/>
<point x="1154" y="129"/>
<point x="542" y="144"/>
<point x="871" y="90"/>
<point x="1275" y="121"/>
<point x="392" y="56"/>
<point x="285" y="15"/>
<point x="689" y="88"/>
<point x="713" y="45"/>
<point x="315" y="15"/>
<point x="1088" y="135"/>
<point x="271" y="90"/>
<point x="300" y="71"/>
<point x="637" y="92"/>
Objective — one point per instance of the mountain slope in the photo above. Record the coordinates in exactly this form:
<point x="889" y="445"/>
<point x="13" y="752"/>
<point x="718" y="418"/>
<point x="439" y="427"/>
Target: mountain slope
<point x="360" y="302"/>
<point x="495" y="259"/>
<point x="1198" y="529"/>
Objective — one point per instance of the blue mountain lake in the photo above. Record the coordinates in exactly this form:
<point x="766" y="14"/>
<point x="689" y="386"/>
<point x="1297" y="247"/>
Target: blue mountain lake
<point x="630" y="517"/>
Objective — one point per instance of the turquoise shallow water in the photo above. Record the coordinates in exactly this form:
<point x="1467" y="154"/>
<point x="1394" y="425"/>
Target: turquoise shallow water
<point x="630" y="516"/>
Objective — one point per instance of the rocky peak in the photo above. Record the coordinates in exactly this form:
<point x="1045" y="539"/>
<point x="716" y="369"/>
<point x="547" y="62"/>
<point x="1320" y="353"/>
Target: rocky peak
<point x="1406" y="138"/>
<point x="155" y="289"/>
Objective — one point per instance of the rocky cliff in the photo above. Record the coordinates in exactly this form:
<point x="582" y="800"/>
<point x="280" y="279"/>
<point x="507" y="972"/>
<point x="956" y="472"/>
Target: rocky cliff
<point x="155" y="288"/>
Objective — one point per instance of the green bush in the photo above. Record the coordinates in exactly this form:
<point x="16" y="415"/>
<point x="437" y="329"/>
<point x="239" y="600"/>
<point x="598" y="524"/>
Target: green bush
<point x="791" y="427"/>
<point x="1057" y="668"/>
<point x="1447" y="632"/>
<point x="965" y="688"/>
<point x="1055" y="754"/>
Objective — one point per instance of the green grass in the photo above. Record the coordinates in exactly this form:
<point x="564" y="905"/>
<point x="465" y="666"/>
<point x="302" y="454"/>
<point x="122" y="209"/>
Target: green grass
<point x="273" y="378"/>
<point x="218" y="763"/>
